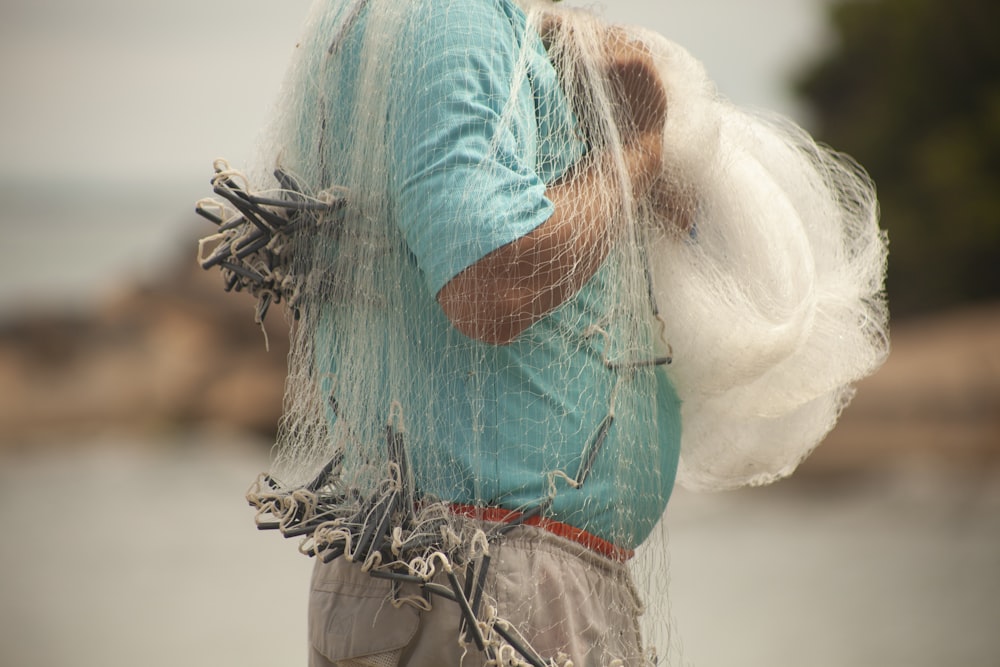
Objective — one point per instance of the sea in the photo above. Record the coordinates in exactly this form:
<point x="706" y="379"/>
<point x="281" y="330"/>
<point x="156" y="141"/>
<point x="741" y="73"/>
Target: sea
<point x="68" y="244"/>
<point x="118" y="553"/>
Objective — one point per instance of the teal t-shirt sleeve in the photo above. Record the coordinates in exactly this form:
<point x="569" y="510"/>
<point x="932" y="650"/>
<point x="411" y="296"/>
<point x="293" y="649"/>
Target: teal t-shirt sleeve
<point x="464" y="175"/>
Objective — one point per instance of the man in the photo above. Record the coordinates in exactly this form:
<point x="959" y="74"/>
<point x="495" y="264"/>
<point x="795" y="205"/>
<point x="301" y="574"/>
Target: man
<point x="486" y="292"/>
<point x="478" y="220"/>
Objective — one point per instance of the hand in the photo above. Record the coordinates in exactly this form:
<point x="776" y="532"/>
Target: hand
<point x="635" y="86"/>
<point x="642" y="102"/>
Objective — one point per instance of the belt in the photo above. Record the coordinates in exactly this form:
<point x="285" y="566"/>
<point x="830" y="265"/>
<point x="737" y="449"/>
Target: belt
<point x="500" y="515"/>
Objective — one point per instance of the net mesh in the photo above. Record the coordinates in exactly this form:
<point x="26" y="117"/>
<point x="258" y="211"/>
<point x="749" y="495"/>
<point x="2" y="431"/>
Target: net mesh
<point x="735" y="289"/>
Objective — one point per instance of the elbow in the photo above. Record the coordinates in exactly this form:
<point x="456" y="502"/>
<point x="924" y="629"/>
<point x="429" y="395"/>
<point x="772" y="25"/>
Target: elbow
<point x="483" y="322"/>
<point x="496" y="299"/>
<point x="490" y="336"/>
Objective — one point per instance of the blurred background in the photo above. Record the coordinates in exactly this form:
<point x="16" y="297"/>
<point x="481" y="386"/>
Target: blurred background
<point x="138" y="401"/>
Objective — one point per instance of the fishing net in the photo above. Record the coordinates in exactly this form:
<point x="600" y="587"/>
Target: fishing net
<point x="738" y="293"/>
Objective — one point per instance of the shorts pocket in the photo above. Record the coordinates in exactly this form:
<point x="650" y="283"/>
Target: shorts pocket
<point x="351" y="616"/>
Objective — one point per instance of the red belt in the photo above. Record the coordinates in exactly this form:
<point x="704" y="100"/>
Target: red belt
<point x="500" y="515"/>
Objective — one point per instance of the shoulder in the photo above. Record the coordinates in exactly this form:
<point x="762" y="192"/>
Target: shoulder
<point x="476" y="25"/>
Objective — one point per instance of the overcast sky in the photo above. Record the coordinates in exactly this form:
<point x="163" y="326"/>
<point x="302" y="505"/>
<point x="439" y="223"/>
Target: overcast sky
<point x="120" y="90"/>
<point x="111" y="112"/>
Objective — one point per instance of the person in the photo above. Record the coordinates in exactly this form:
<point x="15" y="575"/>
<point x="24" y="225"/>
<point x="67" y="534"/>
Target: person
<point x="511" y="215"/>
<point x="482" y="418"/>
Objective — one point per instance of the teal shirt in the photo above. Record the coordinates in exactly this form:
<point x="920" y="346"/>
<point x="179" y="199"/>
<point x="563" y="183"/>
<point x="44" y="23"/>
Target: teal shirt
<point x="469" y="175"/>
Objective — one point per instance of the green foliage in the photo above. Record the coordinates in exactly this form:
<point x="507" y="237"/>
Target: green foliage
<point x="911" y="89"/>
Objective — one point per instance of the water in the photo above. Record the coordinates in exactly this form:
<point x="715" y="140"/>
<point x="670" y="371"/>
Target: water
<point x="116" y="554"/>
<point x="894" y="572"/>
<point x="120" y="558"/>
<point x="71" y="243"/>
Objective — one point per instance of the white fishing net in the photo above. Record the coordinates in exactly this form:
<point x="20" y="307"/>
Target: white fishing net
<point x="776" y="306"/>
<point x="728" y="304"/>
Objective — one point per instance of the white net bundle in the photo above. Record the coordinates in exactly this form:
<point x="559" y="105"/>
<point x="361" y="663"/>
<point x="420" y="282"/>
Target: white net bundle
<point x="776" y="306"/>
<point x="416" y="138"/>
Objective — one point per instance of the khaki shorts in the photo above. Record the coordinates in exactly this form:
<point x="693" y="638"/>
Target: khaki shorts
<point x="560" y="596"/>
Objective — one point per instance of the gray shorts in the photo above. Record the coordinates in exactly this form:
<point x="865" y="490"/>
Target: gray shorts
<point x="561" y="597"/>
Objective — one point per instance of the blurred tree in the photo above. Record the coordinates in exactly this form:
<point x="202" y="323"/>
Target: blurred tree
<point x="911" y="88"/>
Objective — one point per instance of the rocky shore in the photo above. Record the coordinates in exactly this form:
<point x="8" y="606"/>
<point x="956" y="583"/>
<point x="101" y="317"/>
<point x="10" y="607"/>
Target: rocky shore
<point x="935" y="403"/>
<point x="182" y="354"/>
<point x="179" y="353"/>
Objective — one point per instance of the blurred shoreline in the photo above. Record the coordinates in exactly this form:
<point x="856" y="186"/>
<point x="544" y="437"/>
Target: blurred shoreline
<point x="176" y="353"/>
<point x="934" y="404"/>
<point x="172" y="354"/>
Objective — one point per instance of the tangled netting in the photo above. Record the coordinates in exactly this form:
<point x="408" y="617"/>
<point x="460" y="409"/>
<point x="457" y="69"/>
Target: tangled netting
<point x="776" y="307"/>
<point x="751" y="276"/>
<point x="397" y="536"/>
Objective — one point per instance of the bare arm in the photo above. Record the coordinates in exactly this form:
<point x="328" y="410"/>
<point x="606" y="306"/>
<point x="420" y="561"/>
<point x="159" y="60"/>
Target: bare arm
<point x="514" y="286"/>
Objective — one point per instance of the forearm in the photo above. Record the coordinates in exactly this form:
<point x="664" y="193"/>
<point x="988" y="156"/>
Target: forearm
<point x="513" y="287"/>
